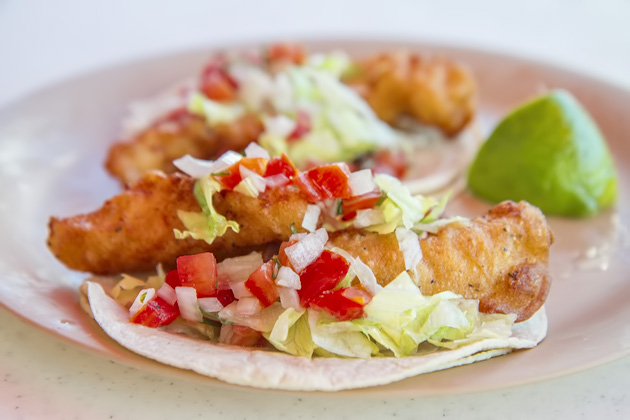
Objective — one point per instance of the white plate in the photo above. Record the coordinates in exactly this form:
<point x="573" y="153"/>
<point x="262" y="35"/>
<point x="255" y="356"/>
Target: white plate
<point x="52" y="145"/>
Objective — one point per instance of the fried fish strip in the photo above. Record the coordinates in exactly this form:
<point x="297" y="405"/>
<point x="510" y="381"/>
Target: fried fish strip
<point x="156" y="147"/>
<point x="435" y="91"/>
<point x="133" y="231"/>
<point x="500" y="258"/>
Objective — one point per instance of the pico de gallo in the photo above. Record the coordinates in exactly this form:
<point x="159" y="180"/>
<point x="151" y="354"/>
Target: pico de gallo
<point x="311" y="298"/>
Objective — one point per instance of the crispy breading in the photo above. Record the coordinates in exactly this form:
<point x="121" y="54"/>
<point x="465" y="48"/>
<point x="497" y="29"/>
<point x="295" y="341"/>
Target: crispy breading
<point x="435" y="91"/>
<point x="134" y="230"/>
<point x="500" y="258"/>
<point x="156" y="147"/>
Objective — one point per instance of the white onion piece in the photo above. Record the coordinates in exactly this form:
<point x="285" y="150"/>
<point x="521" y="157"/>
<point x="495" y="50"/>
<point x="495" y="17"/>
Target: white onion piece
<point x="253" y="150"/>
<point x="322" y="234"/>
<point x="248" y="306"/>
<point x="226" y="160"/>
<point x="238" y="269"/>
<point x="289" y="298"/>
<point x="257" y="180"/>
<point x="240" y="291"/>
<point x="311" y="217"/>
<point x="288" y="278"/>
<point x="368" y="217"/>
<point x="361" y="182"/>
<point x="187" y="302"/>
<point x="279" y="126"/>
<point x="276" y="181"/>
<point x="410" y="247"/>
<point x="210" y="304"/>
<point x="167" y="293"/>
<point x="305" y="251"/>
<point x="142" y="299"/>
<point x="297" y="236"/>
<point x="194" y="167"/>
<point x="226" y="334"/>
<point x="365" y="276"/>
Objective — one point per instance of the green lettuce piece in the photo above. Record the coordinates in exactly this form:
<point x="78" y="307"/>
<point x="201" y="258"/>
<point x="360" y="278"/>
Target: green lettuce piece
<point x="209" y="224"/>
<point x="412" y="209"/>
<point x="214" y="112"/>
<point x="292" y="334"/>
<point x="340" y="338"/>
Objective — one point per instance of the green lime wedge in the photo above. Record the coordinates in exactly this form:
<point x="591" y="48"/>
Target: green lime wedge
<point x="548" y="152"/>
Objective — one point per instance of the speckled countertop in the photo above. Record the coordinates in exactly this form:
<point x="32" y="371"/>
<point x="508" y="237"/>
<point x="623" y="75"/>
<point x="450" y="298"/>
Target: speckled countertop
<point x="43" y="377"/>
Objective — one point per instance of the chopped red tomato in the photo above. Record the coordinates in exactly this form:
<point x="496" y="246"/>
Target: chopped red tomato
<point x="321" y="275"/>
<point x="172" y="279"/>
<point x="280" y="165"/>
<point x="360" y="202"/>
<point x="243" y="336"/>
<point x="302" y="126"/>
<point x="344" y="304"/>
<point x="292" y="53"/>
<point x="155" y="313"/>
<point x="198" y="271"/>
<point x="391" y="162"/>
<point x="322" y="182"/>
<point x="216" y="83"/>
<point x="225" y="296"/>
<point x="260" y="284"/>
<point x="231" y="176"/>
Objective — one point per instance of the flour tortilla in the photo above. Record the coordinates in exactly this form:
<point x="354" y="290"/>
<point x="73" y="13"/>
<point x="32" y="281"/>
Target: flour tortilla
<point x="274" y="370"/>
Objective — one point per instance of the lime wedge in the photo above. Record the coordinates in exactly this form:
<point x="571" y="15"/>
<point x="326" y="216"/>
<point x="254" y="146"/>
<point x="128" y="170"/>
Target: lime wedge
<point x="548" y="152"/>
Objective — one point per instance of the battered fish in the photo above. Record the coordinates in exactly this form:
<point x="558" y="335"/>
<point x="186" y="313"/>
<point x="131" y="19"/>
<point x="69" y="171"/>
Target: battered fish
<point x="134" y="230"/>
<point x="499" y="258"/>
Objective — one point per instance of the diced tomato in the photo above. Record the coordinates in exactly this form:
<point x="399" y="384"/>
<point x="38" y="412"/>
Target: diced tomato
<point x="198" y="271"/>
<point x="243" y="336"/>
<point x="321" y="275"/>
<point x="225" y="296"/>
<point x="302" y="126"/>
<point x="391" y="162"/>
<point x="172" y="279"/>
<point x="216" y="83"/>
<point x="280" y="165"/>
<point x="361" y="202"/>
<point x="233" y="174"/>
<point x="155" y="313"/>
<point x="322" y="182"/>
<point x="344" y="304"/>
<point x="292" y="53"/>
<point x="260" y="284"/>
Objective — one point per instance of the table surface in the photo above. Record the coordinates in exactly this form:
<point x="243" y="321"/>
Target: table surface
<point x="44" y="42"/>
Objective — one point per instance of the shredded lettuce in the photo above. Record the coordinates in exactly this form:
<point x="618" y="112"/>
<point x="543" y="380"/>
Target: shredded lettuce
<point x="209" y="224"/>
<point x="214" y="112"/>
<point x="291" y="333"/>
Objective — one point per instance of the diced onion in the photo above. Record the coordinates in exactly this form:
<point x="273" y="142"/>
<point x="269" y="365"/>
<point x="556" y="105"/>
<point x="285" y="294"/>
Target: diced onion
<point x="187" y="302"/>
<point x="167" y="293"/>
<point x="210" y="304"/>
<point x="361" y="182"/>
<point x="226" y="160"/>
<point x="257" y="180"/>
<point x="410" y="247"/>
<point x="365" y="276"/>
<point x="305" y="251"/>
<point x="194" y="167"/>
<point x="368" y="217"/>
<point x="288" y="278"/>
<point x="226" y="334"/>
<point x="239" y="290"/>
<point x="311" y="217"/>
<point x="238" y="269"/>
<point x="248" y="306"/>
<point x="143" y="297"/>
<point x="297" y="236"/>
<point x="253" y="150"/>
<point x="276" y="181"/>
<point x="289" y="298"/>
<point x="322" y="234"/>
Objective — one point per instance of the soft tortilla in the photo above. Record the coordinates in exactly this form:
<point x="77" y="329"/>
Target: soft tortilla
<point x="267" y="369"/>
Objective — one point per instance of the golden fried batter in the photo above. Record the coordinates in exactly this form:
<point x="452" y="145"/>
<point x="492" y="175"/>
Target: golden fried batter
<point x="134" y="230"/>
<point x="500" y="258"/>
<point x="435" y="91"/>
<point x="157" y="146"/>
